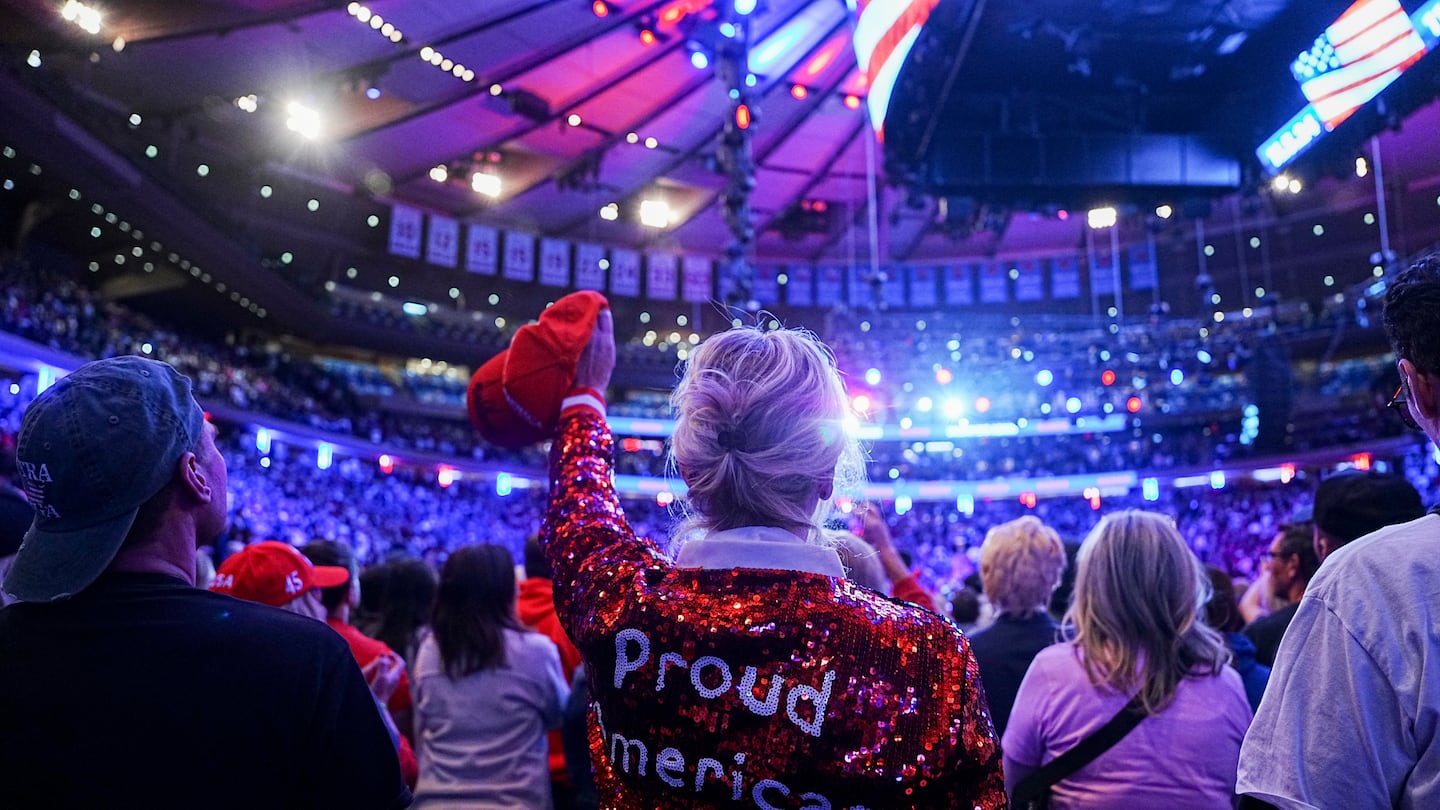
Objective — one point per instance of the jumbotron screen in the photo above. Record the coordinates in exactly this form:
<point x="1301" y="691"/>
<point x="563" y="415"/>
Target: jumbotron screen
<point x="1351" y="62"/>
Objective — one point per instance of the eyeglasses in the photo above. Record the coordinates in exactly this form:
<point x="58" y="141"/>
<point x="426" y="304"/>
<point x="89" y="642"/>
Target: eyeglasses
<point x="1400" y="403"/>
<point x="1276" y="555"/>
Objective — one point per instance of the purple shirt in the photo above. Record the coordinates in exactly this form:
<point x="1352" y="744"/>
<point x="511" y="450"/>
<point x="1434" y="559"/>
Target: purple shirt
<point x="1183" y="757"/>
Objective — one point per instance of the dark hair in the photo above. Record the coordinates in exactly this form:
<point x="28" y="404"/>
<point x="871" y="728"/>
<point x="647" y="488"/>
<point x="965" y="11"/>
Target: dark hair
<point x="404" y="600"/>
<point x="1411" y="321"/>
<point x="535" y="563"/>
<point x="329" y="552"/>
<point x="474" y="607"/>
<point x="1299" y="539"/>
<point x="1222" y="612"/>
<point x="965" y="606"/>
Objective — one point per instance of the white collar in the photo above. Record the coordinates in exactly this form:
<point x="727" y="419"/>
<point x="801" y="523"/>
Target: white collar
<point x="764" y="547"/>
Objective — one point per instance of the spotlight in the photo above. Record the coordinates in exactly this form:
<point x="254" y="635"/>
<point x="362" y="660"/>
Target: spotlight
<point x="1100" y="218"/>
<point x="799" y="91"/>
<point x="600" y="8"/>
<point x="1164" y="211"/>
<point x="852" y="101"/>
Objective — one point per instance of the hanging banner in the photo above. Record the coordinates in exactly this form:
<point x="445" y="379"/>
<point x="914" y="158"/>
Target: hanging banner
<point x="589" y="271"/>
<point x="482" y="250"/>
<point x="800" y="289"/>
<point x="662" y="276"/>
<point x="519" y="256"/>
<point x="767" y="284"/>
<point x="1102" y="268"/>
<point x="959" y="285"/>
<point x="695" y="279"/>
<point x="1064" y="278"/>
<point x="892" y="286"/>
<point x="554" y="262"/>
<point x="1144" y="275"/>
<point x="405" y="231"/>
<point x="828" y="285"/>
<point x="1029" y="280"/>
<point x="994" y="283"/>
<point x="862" y="292"/>
<point x="922" y="286"/>
<point x="442" y="246"/>
<point x="625" y="272"/>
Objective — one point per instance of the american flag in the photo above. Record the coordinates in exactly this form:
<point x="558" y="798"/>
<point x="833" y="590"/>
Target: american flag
<point x="1359" y="55"/>
<point x="885" y="30"/>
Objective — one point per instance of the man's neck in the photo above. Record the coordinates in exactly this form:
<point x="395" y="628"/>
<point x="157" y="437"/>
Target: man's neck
<point x="171" y="553"/>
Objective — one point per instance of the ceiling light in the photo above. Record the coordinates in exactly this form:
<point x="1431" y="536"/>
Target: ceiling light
<point x="651" y="143"/>
<point x="609" y="213"/>
<point x="573" y="120"/>
<point x="632" y="138"/>
<point x="302" y="120"/>
<point x="1281" y="182"/>
<point x="1102" y="218"/>
<point x="440" y="174"/>
<point x="1164" y="211"/>
<point x="799" y="91"/>
<point x="82" y="15"/>
<point x="600" y="8"/>
<point x="496" y="89"/>
<point x="654" y="213"/>
<point x="486" y="184"/>
<point x="852" y="101"/>
<point x="699" y="60"/>
<point x="248" y="103"/>
<point x="647" y="36"/>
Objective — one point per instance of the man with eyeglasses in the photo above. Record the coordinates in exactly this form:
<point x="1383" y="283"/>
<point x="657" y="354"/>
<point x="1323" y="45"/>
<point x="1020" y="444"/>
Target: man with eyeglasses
<point x="1291" y="562"/>
<point x="1351" y="717"/>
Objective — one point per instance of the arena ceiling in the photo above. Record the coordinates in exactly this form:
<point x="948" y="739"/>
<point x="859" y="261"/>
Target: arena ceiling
<point x="574" y="110"/>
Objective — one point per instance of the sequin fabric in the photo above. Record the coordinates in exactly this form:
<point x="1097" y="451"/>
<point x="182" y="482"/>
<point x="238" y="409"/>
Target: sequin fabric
<point x="751" y="687"/>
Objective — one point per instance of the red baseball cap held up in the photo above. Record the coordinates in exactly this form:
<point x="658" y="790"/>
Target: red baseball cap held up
<point x="273" y="573"/>
<point x="514" y="398"/>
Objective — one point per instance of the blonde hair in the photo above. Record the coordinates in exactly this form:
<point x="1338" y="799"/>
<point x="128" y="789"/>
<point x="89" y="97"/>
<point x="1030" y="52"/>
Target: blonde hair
<point x="861" y="561"/>
<point x="760" y="432"/>
<point x="1139" y="593"/>
<point x="1021" y="563"/>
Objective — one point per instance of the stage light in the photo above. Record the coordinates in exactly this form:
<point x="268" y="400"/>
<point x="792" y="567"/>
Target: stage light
<point x="799" y="91"/>
<point x="861" y="403"/>
<point x="610" y="212"/>
<point x="262" y="441"/>
<point x="872" y="376"/>
<point x="302" y="120"/>
<point x="82" y="15"/>
<point x="1177" y="376"/>
<point x="1151" y="489"/>
<point x="1133" y="404"/>
<point x="745" y="7"/>
<point x="1107" y="377"/>
<point x="852" y="101"/>
<point x="954" y="408"/>
<point x="742" y="116"/>
<point x="651" y="142"/>
<point x="699" y="60"/>
<point x="600" y="8"/>
<point x="1100" y="218"/>
<point x="1044" y="377"/>
<point x="982" y="405"/>
<point x="486" y="184"/>
<point x="573" y="119"/>
<point x="440" y="174"/>
<point x="445" y="476"/>
<point x="387" y="464"/>
<point x="503" y="484"/>
<point x="647" y="36"/>
<point x="1164" y="211"/>
<point x="1362" y="167"/>
<point x="924" y="404"/>
<point x="324" y="456"/>
<point x="1072" y="405"/>
<point x="654" y="213"/>
<point x="944" y="376"/>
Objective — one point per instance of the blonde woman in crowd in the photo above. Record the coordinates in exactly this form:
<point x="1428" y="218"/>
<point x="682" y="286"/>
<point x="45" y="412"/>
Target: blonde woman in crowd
<point x="1021" y="564"/>
<point x="1134" y="637"/>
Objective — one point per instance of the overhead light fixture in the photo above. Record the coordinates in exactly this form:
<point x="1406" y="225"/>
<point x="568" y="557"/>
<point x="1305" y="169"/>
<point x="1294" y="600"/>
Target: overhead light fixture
<point x="486" y="184"/>
<point x="573" y="120"/>
<point x="654" y="213"/>
<point x="651" y="143"/>
<point x="1362" y="166"/>
<point x="647" y="36"/>
<point x="440" y="173"/>
<point x="1164" y="211"/>
<point x="82" y="15"/>
<point x="746" y="7"/>
<point x="1099" y="218"/>
<point x="302" y="120"/>
<point x="249" y="103"/>
<point x="799" y="91"/>
<point x="1280" y="182"/>
<point x="610" y="212"/>
<point x="699" y="60"/>
<point x="600" y="8"/>
<point x="852" y="101"/>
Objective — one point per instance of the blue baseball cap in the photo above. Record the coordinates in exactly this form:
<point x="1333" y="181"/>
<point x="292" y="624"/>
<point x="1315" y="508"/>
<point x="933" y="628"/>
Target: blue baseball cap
<point x="92" y="449"/>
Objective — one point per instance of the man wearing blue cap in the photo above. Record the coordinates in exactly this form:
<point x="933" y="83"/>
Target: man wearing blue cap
<point x="125" y="686"/>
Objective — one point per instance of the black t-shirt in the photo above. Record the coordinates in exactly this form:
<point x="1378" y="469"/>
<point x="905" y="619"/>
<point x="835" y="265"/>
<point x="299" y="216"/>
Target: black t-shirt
<point x="1265" y="633"/>
<point x="1003" y="651"/>
<point x="142" y="691"/>
<point x="16" y="515"/>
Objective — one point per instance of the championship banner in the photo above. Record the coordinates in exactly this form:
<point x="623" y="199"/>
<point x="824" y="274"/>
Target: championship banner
<point x="695" y="279"/>
<point x="800" y="291"/>
<point x="1144" y="275"/>
<point x="828" y="283"/>
<point x="767" y="284"/>
<point x="892" y="289"/>
<point x="1030" y="281"/>
<point x="554" y="262"/>
<point x="442" y="246"/>
<point x="589" y="275"/>
<point x="861" y="293"/>
<point x="1064" y="278"/>
<point x="519" y="256"/>
<point x="405" y="231"/>
<point x="662" y="276"/>
<point x="625" y="272"/>
<point x="959" y="285"/>
<point x="1102" y="270"/>
<point x="482" y="250"/>
<point x="994" y="283"/>
<point x="922" y="286"/>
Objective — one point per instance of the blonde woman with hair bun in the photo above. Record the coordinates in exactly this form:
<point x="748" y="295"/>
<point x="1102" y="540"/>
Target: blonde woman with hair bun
<point x="1134" y="630"/>
<point x="748" y="671"/>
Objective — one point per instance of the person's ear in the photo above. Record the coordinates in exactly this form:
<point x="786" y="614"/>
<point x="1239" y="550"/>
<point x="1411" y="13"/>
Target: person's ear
<point x="193" y="476"/>
<point x="1422" y="389"/>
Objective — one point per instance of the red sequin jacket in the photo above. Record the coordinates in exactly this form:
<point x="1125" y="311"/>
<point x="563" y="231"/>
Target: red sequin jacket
<point x="748" y="687"/>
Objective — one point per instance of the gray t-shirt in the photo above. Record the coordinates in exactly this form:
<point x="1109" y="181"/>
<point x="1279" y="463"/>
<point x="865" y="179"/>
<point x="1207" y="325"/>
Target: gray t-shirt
<point x="481" y="739"/>
<point x="1350" y="716"/>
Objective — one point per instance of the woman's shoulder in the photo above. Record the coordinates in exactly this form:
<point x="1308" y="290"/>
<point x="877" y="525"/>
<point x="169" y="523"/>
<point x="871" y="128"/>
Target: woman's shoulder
<point x="529" y="645"/>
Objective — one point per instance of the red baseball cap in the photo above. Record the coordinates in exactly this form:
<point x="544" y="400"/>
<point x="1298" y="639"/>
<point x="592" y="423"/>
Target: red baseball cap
<point x="273" y="573"/>
<point x="514" y="398"/>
